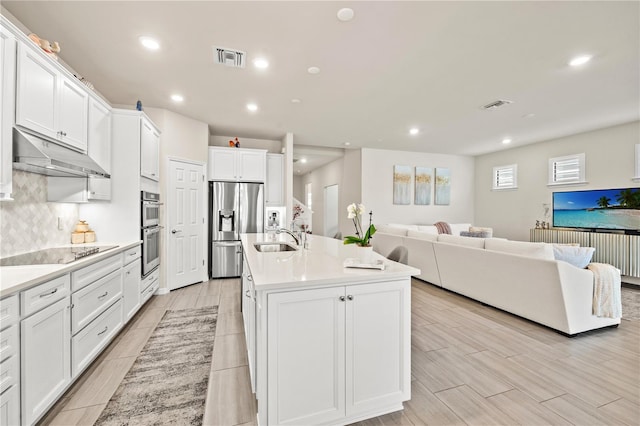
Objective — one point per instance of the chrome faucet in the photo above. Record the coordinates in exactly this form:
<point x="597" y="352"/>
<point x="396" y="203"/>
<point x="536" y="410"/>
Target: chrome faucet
<point x="294" y="236"/>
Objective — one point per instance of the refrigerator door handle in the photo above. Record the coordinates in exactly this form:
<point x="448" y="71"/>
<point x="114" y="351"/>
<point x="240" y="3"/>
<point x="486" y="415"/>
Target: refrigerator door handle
<point x="226" y="244"/>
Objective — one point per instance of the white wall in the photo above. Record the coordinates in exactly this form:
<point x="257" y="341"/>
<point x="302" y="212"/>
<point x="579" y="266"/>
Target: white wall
<point x="298" y="187"/>
<point x="609" y="164"/>
<point x="351" y="188"/>
<point x="268" y="144"/>
<point x="329" y="174"/>
<point x="377" y="187"/>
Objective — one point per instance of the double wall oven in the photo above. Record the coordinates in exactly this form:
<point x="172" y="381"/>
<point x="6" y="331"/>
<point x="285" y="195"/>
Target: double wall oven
<point x="150" y="208"/>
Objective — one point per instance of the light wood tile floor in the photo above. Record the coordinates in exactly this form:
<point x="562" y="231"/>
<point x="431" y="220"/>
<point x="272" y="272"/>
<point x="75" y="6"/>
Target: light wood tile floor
<point x="471" y="364"/>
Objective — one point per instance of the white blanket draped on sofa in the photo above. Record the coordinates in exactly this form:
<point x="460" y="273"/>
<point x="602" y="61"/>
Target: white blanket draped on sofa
<point x="607" y="301"/>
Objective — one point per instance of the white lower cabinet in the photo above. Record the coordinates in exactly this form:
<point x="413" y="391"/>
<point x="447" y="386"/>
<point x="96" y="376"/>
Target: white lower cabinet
<point x="249" y="321"/>
<point x="131" y="288"/>
<point x="10" y="406"/>
<point x="45" y="349"/>
<point x="337" y="354"/>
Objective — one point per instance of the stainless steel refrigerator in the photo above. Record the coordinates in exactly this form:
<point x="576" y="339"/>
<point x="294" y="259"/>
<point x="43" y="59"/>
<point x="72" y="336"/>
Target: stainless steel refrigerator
<point x="234" y="209"/>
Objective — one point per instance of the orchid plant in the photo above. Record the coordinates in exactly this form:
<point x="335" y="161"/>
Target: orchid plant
<point x="361" y="238"/>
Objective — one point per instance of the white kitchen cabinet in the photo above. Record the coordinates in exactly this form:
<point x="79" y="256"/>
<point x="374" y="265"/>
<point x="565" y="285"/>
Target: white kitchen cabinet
<point x="336" y="353"/>
<point x="45" y="352"/>
<point x="237" y="164"/>
<point x="149" y="150"/>
<point x="10" y="406"/>
<point x="131" y="287"/>
<point x="7" y="108"/>
<point x="249" y="320"/>
<point x="274" y="185"/>
<point x="99" y="147"/>
<point x="48" y="102"/>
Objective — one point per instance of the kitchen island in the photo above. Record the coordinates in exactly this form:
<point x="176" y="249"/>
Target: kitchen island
<point x="326" y="344"/>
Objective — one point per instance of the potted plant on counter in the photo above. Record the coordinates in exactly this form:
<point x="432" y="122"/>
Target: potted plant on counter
<point x="362" y="238"/>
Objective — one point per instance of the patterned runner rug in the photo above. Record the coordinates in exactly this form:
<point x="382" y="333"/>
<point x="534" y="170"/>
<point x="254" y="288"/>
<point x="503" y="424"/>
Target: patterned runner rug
<point x="630" y="303"/>
<point x="167" y="383"/>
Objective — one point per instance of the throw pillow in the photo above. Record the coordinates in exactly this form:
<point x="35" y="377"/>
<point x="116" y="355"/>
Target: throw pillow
<point x="456" y="228"/>
<point x="476" y="234"/>
<point x="443" y="227"/>
<point x="489" y="231"/>
<point x="579" y="257"/>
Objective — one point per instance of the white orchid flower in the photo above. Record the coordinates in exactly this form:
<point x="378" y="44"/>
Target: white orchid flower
<point x="352" y="211"/>
<point x="361" y="209"/>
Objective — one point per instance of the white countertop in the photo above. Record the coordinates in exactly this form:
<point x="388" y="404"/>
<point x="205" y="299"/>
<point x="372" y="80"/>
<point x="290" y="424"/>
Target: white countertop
<point x="319" y="264"/>
<point x="16" y="278"/>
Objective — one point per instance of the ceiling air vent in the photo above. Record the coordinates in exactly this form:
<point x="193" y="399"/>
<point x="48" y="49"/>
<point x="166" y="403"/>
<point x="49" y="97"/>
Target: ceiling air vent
<point x="497" y="104"/>
<point x="229" y="57"/>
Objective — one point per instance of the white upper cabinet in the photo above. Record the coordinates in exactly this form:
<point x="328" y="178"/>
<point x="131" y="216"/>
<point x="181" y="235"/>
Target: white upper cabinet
<point x="48" y="102"/>
<point x="149" y="150"/>
<point x="274" y="187"/>
<point x="99" y="143"/>
<point x="237" y="164"/>
<point x="7" y="108"/>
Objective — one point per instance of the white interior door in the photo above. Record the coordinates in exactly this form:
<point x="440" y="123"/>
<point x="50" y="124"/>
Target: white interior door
<point x="331" y="210"/>
<point x="185" y="224"/>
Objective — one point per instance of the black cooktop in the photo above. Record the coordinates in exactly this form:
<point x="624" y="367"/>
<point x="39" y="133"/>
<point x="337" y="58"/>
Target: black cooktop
<point x="55" y="255"/>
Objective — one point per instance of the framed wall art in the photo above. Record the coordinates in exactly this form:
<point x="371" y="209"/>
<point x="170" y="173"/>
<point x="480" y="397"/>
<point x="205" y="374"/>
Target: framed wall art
<point x="424" y="179"/>
<point x="401" y="184"/>
<point x="443" y="186"/>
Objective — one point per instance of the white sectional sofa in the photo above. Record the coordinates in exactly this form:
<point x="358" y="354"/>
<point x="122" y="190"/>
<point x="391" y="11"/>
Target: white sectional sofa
<point x="519" y="277"/>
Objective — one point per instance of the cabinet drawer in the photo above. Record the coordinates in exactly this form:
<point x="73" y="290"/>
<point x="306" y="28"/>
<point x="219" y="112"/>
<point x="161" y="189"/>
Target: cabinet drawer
<point x="149" y="279"/>
<point x="132" y="254"/>
<point x="10" y="406"/>
<point x="9" y="373"/>
<point x="9" y="342"/>
<point x="89" y="274"/>
<point x="86" y="345"/>
<point x="89" y="302"/>
<point x="148" y="292"/>
<point x="9" y="311"/>
<point x="44" y="295"/>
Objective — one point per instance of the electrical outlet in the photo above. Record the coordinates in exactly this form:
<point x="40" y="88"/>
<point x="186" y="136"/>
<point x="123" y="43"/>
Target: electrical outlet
<point x="59" y="223"/>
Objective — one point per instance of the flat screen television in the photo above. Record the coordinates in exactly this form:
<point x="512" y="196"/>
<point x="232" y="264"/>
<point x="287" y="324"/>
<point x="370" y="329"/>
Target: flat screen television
<point x="600" y="209"/>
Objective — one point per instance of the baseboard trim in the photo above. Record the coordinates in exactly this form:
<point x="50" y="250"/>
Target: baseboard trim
<point x="161" y="291"/>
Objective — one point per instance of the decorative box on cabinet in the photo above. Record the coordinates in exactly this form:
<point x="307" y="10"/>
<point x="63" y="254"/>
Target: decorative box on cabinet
<point x="45" y="346"/>
<point x="339" y="320"/>
<point x="274" y="187"/>
<point x="237" y="164"/>
<point x="7" y="107"/>
<point x="48" y="101"/>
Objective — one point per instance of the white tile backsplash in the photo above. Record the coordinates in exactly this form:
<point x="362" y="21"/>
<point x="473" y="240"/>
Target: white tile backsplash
<point x="30" y="222"/>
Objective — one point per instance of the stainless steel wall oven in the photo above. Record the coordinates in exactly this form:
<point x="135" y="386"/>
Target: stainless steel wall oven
<point x="150" y="231"/>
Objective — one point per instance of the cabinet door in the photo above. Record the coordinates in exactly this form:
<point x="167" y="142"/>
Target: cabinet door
<point x="98" y="188"/>
<point x="131" y="289"/>
<point x="45" y="350"/>
<point x="250" y="166"/>
<point x="99" y="142"/>
<point x="10" y="406"/>
<point x="7" y="109"/>
<point x="305" y="354"/>
<point x="149" y="151"/>
<point x="377" y="322"/>
<point x="73" y="114"/>
<point x="222" y="164"/>
<point x="249" y="320"/>
<point x="274" y="191"/>
<point x="37" y="93"/>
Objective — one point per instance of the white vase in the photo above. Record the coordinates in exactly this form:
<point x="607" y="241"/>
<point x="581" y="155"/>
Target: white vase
<point x="365" y="253"/>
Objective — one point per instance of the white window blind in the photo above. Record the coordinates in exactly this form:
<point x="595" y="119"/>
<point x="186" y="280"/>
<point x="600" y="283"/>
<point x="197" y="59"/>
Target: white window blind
<point x="505" y="177"/>
<point x="637" y="176"/>
<point x="567" y="170"/>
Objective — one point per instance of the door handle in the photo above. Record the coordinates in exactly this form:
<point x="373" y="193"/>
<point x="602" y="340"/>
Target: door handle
<point x="175" y="231"/>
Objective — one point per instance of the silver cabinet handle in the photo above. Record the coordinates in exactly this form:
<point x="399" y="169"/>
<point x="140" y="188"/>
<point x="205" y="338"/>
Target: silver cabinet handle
<point x="103" y="331"/>
<point x="350" y="297"/>
<point x="102" y="296"/>
<point x="51" y="293"/>
<point x="341" y="298"/>
<point x="248" y="293"/>
<point x="249" y="277"/>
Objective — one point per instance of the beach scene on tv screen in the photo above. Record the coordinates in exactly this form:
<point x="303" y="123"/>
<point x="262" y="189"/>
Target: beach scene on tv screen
<point x="603" y="209"/>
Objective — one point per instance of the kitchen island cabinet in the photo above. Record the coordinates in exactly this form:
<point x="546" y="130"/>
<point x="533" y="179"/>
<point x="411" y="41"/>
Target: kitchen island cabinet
<point x="332" y="344"/>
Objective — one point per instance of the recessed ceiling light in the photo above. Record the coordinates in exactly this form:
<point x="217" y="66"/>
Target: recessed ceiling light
<point x="177" y="98"/>
<point x="261" y="63"/>
<point x="530" y="115"/>
<point x="414" y="131"/>
<point x="295" y="101"/>
<point x="345" y="14"/>
<point x="252" y="107"/>
<point x="303" y="160"/>
<point x="347" y="143"/>
<point x="313" y="70"/>
<point x="580" y="60"/>
<point x="297" y="171"/>
<point x="149" y="43"/>
<point x="506" y="141"/>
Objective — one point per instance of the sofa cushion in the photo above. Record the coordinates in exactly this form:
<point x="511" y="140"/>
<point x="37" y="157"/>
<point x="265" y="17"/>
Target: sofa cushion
<point x="461" y="241"/>
<point x="421" y="235"/>
<point x="429" y="229"/>
<point x="386" y="229"/>
<point x="403" y="226"/>
<point x="579" y="257"/>
<point x="456" y="228"/>
<point x="523" y="248"/>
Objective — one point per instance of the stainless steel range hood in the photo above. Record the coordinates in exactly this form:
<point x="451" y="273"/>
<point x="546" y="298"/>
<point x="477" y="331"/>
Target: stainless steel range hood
<point x="34" y="154"/>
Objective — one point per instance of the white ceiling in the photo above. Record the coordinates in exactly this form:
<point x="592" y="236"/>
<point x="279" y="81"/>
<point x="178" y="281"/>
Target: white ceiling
<point x="396" y="65"/>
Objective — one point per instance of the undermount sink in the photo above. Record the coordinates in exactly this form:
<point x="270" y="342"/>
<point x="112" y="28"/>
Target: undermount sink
<point x="273" y="247"/>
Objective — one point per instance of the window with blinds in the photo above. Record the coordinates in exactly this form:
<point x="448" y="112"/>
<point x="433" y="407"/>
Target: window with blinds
<point x="567" y="170"/>
<point x="505" y="177"/>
